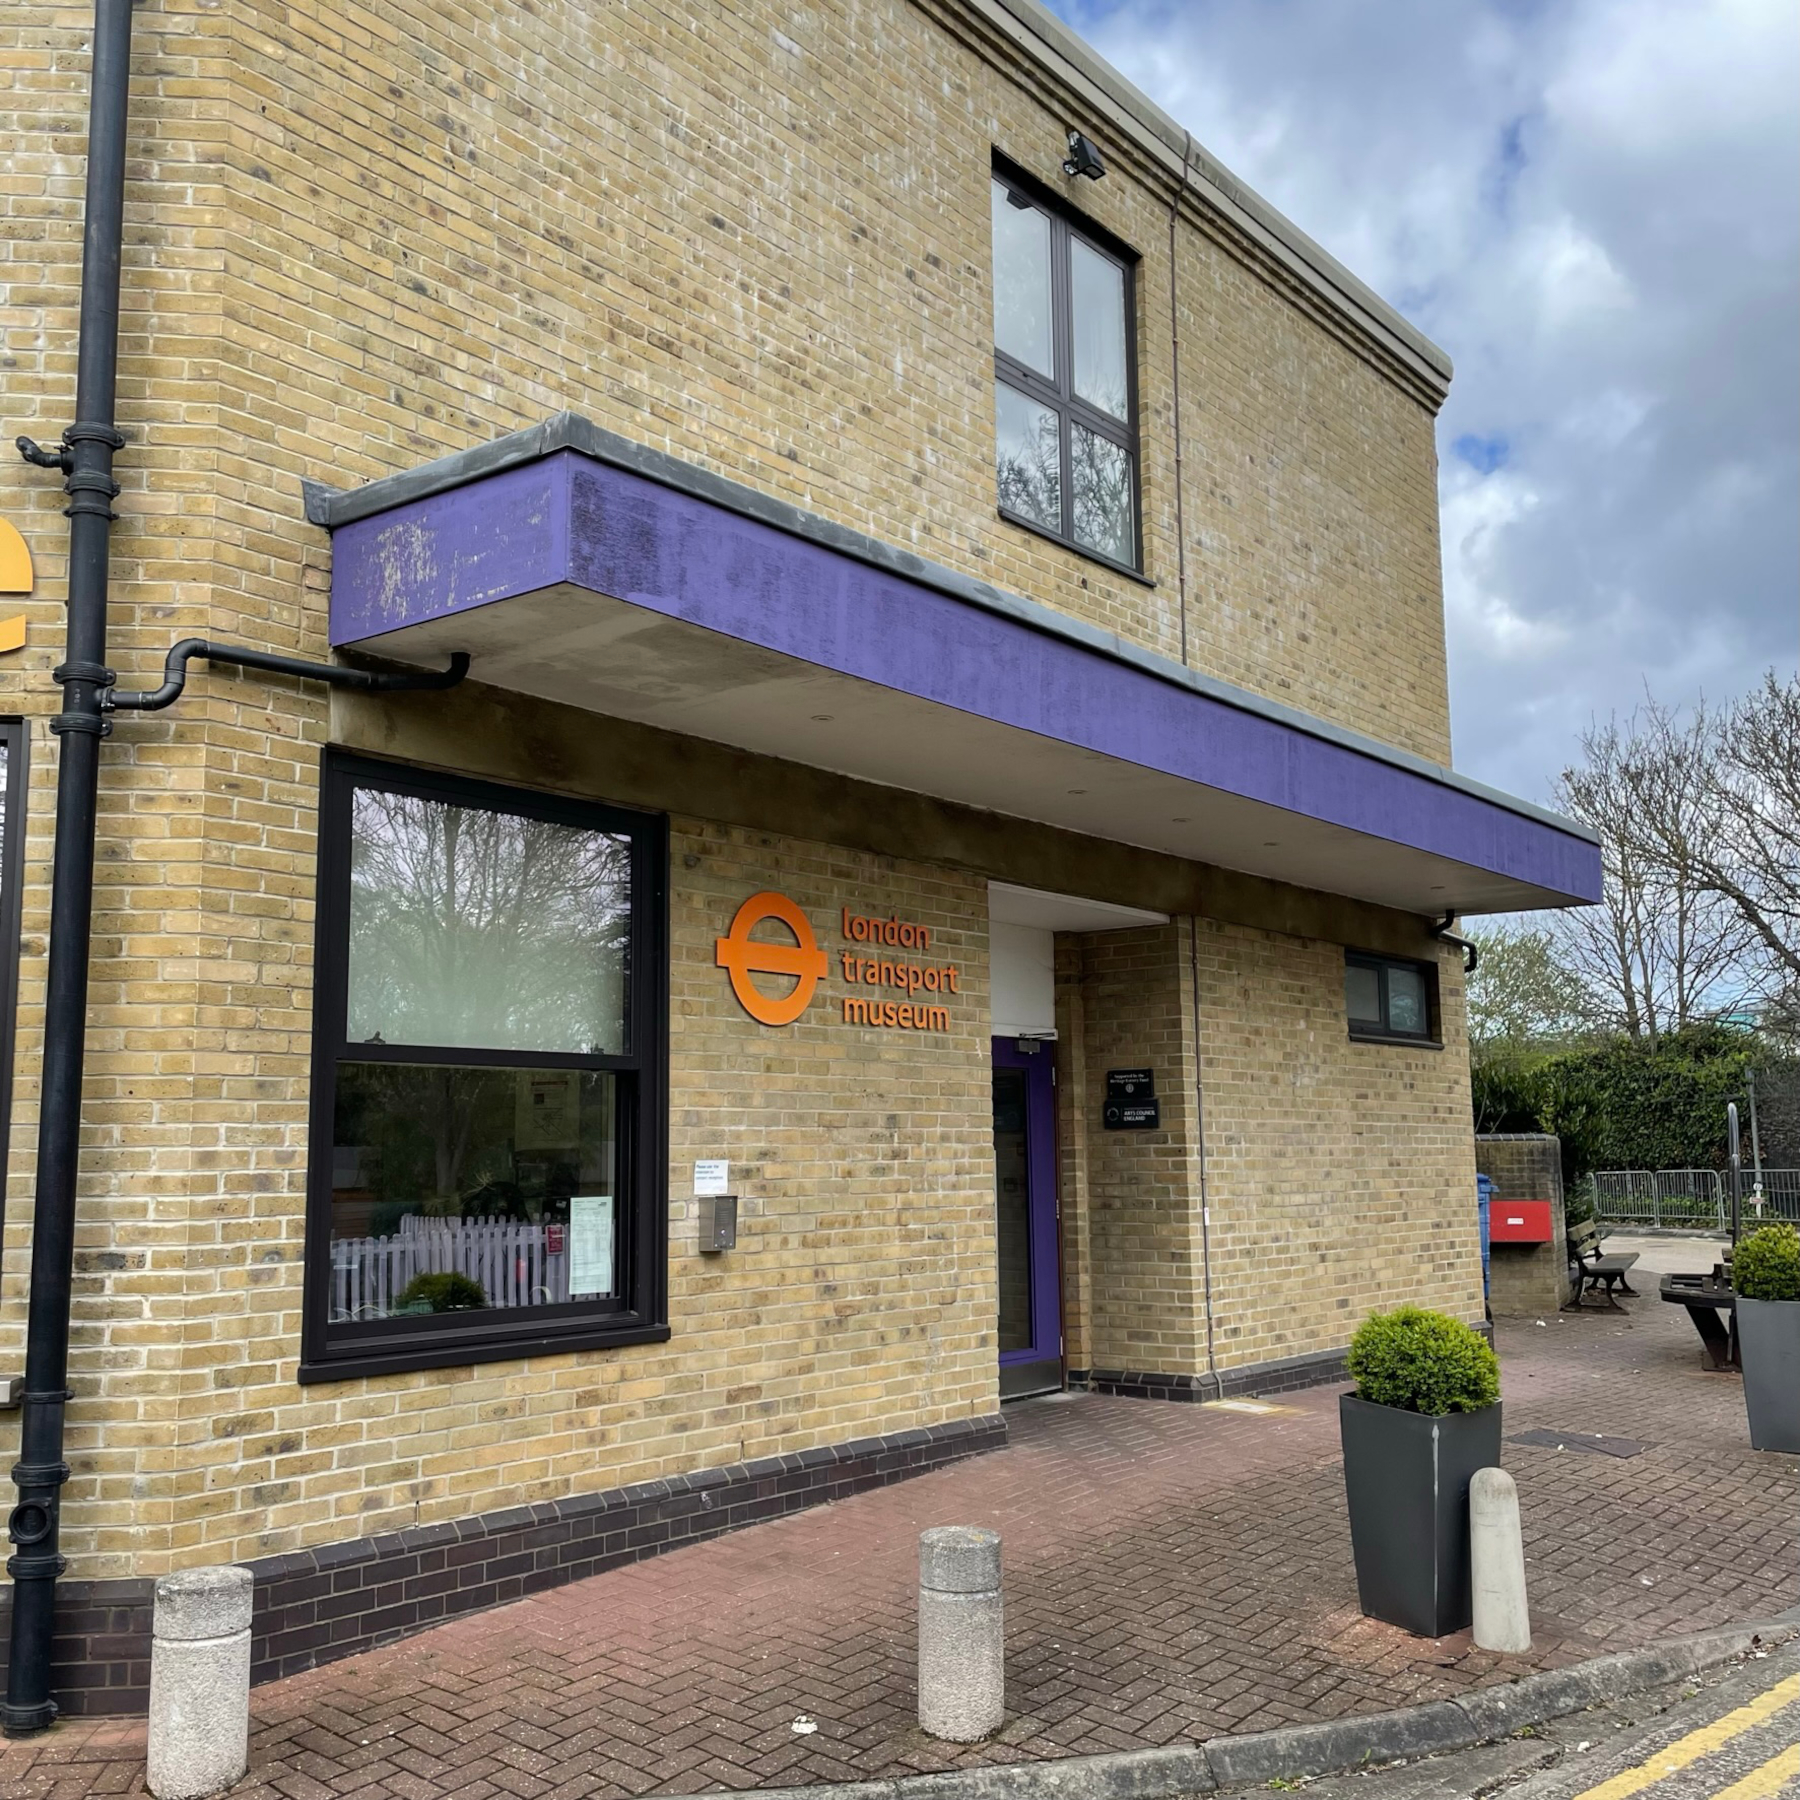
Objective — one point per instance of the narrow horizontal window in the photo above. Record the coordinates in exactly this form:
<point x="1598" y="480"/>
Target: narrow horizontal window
<point x="1389" y="999"/>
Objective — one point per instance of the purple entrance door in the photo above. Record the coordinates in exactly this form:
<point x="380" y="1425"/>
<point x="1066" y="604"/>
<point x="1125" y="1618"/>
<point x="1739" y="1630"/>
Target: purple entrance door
<point x="1025" y="1217"/>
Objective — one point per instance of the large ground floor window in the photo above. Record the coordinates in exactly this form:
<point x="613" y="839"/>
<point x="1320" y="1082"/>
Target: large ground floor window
<point x="489" y="1074"/>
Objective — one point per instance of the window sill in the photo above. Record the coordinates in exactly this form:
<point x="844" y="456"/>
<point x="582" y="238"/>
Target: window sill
<point x="1073" y="548"/>
<point x="354" y="1365"/>
<point x="1396" y="1037"/>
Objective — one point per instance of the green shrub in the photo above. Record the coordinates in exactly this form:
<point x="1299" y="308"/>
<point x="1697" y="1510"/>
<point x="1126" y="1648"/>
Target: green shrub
<point x="1423" y="1362"/>
<point x="444" y="1292"/>
<point x="1766" y="1264"/>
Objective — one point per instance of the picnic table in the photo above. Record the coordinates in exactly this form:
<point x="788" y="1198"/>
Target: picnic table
<point x="1705" y="1297"/>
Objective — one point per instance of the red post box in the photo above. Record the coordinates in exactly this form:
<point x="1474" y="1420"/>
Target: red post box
<point x="1519" y="1222"/>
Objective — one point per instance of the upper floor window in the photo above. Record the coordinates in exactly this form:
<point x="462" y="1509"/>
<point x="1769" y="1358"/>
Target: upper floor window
<point x="1389" y="1000"/>
<point x="1065" y="399"/>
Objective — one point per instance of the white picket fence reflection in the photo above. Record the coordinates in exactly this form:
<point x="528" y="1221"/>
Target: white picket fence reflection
<point x="513" y="1263"/>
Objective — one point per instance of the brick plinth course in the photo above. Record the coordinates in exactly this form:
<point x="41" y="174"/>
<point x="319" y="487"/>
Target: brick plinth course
<point x="1173" y="1572"/>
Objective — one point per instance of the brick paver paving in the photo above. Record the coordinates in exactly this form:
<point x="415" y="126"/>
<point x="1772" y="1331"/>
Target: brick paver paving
<point x="1172" y="1572"/>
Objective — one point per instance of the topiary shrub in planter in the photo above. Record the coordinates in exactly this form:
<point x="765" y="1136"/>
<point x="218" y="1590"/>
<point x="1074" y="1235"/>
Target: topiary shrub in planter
<point x="1765" y="1274"/>
<point x="1425" y="1416"/>
<point x="445" y="1291"/>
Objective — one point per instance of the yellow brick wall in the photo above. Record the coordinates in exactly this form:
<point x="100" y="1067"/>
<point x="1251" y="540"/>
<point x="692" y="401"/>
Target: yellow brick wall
<point x="1340" y="1175"/>
<point x="764" y="246"/>
<point x="1127" y="1005"/>
<point x="860" y="1298"/>
<point x="359" y="235"/>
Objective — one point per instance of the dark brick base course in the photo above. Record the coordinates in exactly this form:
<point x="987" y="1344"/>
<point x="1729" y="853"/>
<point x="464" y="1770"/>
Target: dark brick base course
<point x="1282" y="1377"/>
<point x="315" y="1606"/>
<point x="100" y="1649"/>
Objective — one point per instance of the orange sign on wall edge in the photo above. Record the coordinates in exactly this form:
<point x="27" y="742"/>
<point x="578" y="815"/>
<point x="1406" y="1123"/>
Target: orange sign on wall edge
<point x="15" y="561"/>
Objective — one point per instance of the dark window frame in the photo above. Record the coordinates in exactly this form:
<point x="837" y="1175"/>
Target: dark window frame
<point x="1059" y="393"/>
<point x="1431" y="1038"/>
<point x="15" y="734"/>
<point x="639" y="1313"/>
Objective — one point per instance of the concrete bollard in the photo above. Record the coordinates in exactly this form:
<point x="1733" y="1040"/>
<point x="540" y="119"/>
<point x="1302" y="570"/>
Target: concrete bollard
<point x="200" y="1683"/>
<point x="962" y="1633"/>
<point x="1497" y="1563"/>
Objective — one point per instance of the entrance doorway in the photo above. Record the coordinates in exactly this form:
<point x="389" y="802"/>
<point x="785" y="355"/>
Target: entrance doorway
<point x="1025" y="1217"/>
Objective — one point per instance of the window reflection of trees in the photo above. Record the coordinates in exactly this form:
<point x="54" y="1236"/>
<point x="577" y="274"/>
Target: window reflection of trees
<point x="1030" y="475"/>
<point x="1030" y="484"/>
<point x="1100" y="477"/>
<point x="444" y="1142"/>
<point x="469" y="926"/>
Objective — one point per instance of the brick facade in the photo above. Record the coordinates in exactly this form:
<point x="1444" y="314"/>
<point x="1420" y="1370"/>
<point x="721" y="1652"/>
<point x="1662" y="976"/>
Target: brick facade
<point x="364" y="234"/>
<point x="1526" y="1278"/>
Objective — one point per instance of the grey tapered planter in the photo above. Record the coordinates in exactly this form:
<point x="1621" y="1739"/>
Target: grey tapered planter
<point x="1406" y="1478"/>
<point x="1769" y="1347"/>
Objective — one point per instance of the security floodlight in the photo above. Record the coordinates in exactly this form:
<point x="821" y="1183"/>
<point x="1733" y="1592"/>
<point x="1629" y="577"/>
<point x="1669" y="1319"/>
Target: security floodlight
<point x="1083" y="158"/>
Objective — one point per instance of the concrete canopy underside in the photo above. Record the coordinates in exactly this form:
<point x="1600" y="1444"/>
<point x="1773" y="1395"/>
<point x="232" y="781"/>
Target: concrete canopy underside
<point x="570" y="577"/>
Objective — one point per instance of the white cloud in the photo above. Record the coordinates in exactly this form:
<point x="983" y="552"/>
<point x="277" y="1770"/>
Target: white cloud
<point x="1594" y="205"/>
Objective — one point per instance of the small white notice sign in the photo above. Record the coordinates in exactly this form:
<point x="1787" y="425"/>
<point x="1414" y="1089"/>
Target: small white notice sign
<point x="711" y="1176"/>
<point x="591" y="1244"/>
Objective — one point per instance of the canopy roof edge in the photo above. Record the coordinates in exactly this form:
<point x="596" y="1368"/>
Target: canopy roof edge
<point x="335" y="508"/>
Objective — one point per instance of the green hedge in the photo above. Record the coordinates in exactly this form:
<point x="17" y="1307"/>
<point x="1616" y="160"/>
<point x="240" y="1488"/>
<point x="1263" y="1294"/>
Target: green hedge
<point x="1624" y="1104"/>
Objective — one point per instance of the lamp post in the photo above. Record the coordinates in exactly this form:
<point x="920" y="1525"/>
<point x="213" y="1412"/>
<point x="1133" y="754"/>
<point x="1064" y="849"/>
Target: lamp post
<point x="1735" y="1144"/>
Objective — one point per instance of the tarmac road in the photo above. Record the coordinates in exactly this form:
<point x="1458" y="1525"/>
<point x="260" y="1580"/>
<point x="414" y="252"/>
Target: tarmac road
<point x="1738" y="1738"/>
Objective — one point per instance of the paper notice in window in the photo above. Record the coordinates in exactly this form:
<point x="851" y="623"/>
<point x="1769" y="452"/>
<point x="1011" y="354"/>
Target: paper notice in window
<point x="548" y="1110"/>
<point x="591" y="1244"/>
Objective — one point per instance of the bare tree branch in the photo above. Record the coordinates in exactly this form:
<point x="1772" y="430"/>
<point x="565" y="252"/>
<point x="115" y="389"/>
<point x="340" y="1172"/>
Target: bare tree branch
<point x="1666" y="947"/>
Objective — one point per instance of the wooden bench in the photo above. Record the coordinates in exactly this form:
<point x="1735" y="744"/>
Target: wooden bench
<point x="1593" y="1268"/>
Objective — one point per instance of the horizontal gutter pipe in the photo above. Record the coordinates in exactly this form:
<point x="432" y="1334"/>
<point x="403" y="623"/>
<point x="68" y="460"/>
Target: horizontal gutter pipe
<point x="365" y="681"/>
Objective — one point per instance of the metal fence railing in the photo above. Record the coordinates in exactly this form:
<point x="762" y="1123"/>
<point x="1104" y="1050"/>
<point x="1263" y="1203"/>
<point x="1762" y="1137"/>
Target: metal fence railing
<point x="1695" y="1198"/>
<point x="1781" y="1195"/>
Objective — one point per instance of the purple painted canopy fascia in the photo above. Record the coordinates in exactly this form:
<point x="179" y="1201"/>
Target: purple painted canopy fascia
<point x="569" y="518"/>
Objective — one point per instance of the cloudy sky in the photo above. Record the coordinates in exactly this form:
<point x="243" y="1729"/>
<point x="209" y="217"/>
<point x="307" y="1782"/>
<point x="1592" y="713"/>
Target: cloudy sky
<point x="1594" y="206"/>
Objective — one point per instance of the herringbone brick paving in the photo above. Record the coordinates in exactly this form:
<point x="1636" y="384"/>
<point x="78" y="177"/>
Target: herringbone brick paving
<point x="1172" y="1572"/>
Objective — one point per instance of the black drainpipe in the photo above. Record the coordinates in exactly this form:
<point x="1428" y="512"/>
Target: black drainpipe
<point x="85" y="457"/>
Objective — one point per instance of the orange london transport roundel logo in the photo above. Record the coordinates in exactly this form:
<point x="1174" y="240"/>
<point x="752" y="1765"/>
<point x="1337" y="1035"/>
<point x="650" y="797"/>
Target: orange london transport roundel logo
<point x="742" y="956"/>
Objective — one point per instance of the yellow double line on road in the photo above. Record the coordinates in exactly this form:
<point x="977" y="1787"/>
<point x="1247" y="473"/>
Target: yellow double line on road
<point x="1759" y="1784"/>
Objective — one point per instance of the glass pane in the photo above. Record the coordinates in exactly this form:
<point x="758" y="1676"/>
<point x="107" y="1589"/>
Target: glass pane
<point x="1012" y="1197"/>
<point x="465" y="1190"/>
<point x="1098" y="291"/>
<point x="1028" y="457"/>
<point x="1022" y="282"/>
<point x="1362" y="993"/>
<point x="472" y="927"/>
<point x="1101" y="473"/>
<point x="1406" y="1000"/>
